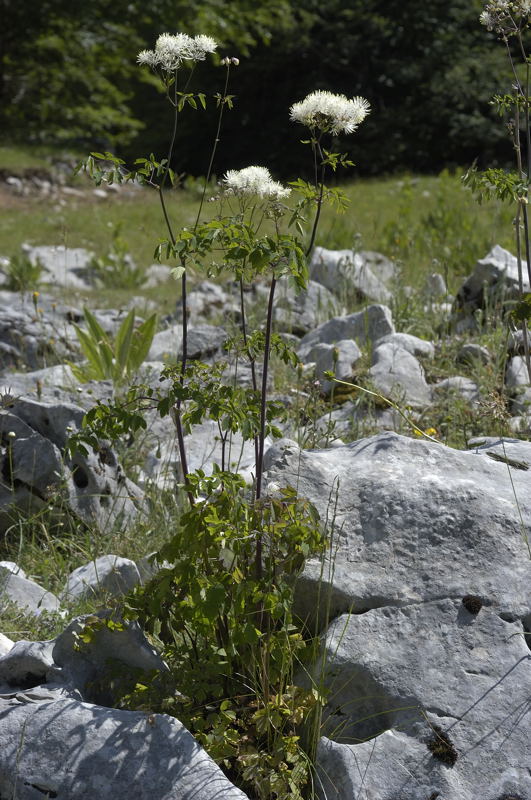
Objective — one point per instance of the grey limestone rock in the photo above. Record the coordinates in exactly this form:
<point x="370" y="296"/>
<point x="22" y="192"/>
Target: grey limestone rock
<point x="471" y="353"/>
<point x="415" y="521"/>
<point x="339" y="358"/>
<point x="380" y="265"/>
<point x="435" y="287"/>
<point x="206" y="301"/>
<point x="27" y="595"/>
<point x="34" y="335"/>
<point x="5" y="644"/>
<point x="302" y="311"/>
<point x="204" y="447"/>
<point x="409" y="677"/>
<point x="494" y="279"/>
<point x="13" y="567"/>
<point x="520" y="425"/>
<point x="517" y="374"/>
<point x="34" y="471"/>
<point x="414" y="345"/>
<point x="398" y="375"/>
<point x="429" y="593"/>
<point x="156" y="275"/>
<point x="341" y="270"/>
<point x="516" y="343"/>
<point x="366" y="326"/>
<point x="106" y="575"/>
<point x="63" y="266"/>
<point x="517" y="380"/>
<point x="72" y="750"/>
<point x="204" y="342"/>
<point x="54" y="744"/>
<point x="75" y="666"/>
<point x="466" y="387"/>
<point x="353" y="418"/>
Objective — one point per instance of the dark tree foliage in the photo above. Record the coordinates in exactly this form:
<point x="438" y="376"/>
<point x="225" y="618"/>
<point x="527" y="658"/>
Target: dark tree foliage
<point x="68" y="75"/>
<point x="428" y="69"/>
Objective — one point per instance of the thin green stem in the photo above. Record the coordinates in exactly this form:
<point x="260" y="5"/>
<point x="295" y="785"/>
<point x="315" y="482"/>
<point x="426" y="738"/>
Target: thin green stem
<point x="176" y="416"/>
<point x="263" y="409"/>
<point x="251" y="358"/>
<point x="214" y="148"/>
<point x="318" y="181"/>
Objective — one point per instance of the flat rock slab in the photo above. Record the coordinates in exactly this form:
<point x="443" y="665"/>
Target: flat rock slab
<point x="402" y="675"/>
<point x="73" y="751"/>
<point x="414" y="521"/>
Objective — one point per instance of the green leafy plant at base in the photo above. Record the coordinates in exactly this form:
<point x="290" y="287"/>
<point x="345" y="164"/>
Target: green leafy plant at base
<point x="22" y="275"/>
<point x="230" y="637"/>
<point x="116" y="360"/>
<point x="116" y="269"/>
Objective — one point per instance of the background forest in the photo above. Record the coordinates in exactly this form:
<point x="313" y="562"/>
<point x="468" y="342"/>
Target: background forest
<point x="68" y="77"/>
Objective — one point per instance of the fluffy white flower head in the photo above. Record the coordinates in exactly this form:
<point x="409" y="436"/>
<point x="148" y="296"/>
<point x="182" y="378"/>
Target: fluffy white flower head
<point x="203" y="45"/>
<point x="505" y="16"/>
<point x="488" y="20"/>
<point x="254" y="181"/>
<point x="330" y="112"/>
<point x="147" y="58"/>
<point x="172" y="49"/>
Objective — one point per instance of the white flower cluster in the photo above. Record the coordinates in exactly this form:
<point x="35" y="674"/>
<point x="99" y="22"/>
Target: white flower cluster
<point x="254" y="181"/>
<point x="330" y="112"/>
<point x="503" y="16"/>
<point x="172" y="49"/>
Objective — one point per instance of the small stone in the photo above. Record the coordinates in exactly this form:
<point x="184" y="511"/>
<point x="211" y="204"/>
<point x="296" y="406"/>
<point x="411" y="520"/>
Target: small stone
<point x="474" y="353"/>
<point x="398" y="375"/>
<point x="363" y="327"/>
<point x="466" y="387"/>
<point x="108" y="574"/>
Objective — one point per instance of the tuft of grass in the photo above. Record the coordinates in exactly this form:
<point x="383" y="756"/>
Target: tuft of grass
<point x="442" y="747"/>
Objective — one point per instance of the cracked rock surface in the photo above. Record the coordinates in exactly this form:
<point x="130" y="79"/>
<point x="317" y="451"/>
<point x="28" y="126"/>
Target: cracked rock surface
<point x="429" y="597"/>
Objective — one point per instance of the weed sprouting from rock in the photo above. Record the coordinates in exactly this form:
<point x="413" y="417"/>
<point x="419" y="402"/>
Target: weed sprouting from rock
<point x="442" y="747"/>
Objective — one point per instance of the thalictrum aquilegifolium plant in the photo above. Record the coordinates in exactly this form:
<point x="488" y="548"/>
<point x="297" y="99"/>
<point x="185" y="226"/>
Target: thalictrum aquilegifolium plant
<point x="223" y="607"/>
